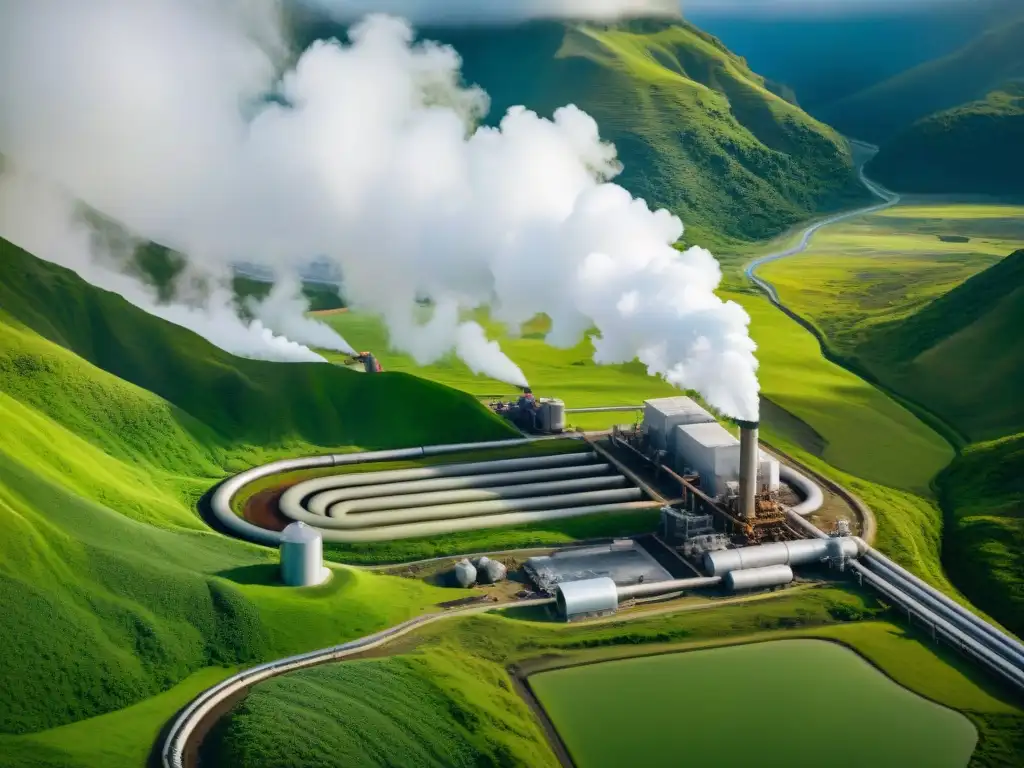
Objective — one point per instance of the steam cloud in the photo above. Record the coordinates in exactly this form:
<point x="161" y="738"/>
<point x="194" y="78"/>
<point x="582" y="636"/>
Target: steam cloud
<point x="496" y="11"/>
<point x="153" y="112"/>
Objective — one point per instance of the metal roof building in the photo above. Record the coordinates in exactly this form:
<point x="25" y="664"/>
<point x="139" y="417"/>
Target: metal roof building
<point x="662" y="414"/>
<point x="588" y="598"/>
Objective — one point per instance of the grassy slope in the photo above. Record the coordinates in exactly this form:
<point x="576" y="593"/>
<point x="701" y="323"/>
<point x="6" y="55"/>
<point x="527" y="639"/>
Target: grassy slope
<point x="932" y="322"/>
<point x="113" y="590"/>
<point x="984" y="492"/>
<point x="970" y="149"/>
<point x="697" y="131"/>
<point x="464" y="661"/>
<point x="882" y="291"/>
<point x="880" y="112"/>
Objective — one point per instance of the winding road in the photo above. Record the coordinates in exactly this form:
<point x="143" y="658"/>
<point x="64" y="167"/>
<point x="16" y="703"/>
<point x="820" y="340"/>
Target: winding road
<point x="889" y="199"/>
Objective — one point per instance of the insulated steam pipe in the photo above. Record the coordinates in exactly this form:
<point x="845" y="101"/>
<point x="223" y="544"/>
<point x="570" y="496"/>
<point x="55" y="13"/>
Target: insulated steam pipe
<point x="607" y="409"/>
<point x="300" y="491"/>
<point x="220" y="501"/>
<point x="635" y="591"/>
<point x="959" y="616"/>
<point x="813" y="497"/>
<point x="454" y="525"/>
<point x="319" y="502"/>
<point x="966" y="641"/>
<point x="385" y="520"/>
<point x="357" y="510"/>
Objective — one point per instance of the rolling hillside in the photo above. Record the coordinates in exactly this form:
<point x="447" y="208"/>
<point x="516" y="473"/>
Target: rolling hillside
<point x="881" y="112"/>
<point x="962" y="350"/>
<point x="984" y="496"/>
<point x="972" y="149"/>
<point x="114" y="424"/>
<point x="697" y="131"/>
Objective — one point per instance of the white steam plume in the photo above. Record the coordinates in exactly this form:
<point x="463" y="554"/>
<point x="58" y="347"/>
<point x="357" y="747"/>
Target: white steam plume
<point x="284" y="310"/>
<point x="373" y="162"/>
<point x="38" y="217"/>
<point x="496" y="11"/>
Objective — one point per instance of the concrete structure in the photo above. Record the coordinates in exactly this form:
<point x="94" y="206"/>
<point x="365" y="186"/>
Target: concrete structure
<point x="709" y="450"/>
<point x="302" y="556"/>
<point x="586" y="599"/>
<point x="748" y="469"/>
<point x="662" y="415"/>
<point x="800" y="552"/>
<point x="758" y="578"/>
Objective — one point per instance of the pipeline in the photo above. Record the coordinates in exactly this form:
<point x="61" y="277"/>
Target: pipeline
<point x="813" y="497"/>
<point x="964" y="641"/>
<point x="390" y="518"/>
<point x="220" y="501"/>
<point x="320" y="502"/>
<point x="635" y="591"/>
<point x="359" y="511"/>
<point x="956" y="614"/>
<point x="607" y="409"/>
<point x="172" y="753"/>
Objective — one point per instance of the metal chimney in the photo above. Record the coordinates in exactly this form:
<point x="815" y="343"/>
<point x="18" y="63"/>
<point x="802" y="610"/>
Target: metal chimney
<point x="748" y="468"/>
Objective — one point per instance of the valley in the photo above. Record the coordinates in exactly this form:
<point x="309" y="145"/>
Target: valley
<point x="407" y="556"/>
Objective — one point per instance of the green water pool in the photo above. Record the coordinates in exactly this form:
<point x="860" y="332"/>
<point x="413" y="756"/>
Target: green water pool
<point x="785" y="703"/>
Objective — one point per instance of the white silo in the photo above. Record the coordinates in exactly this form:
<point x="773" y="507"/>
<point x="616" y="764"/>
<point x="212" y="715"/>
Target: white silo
<point x="302" y="556"/>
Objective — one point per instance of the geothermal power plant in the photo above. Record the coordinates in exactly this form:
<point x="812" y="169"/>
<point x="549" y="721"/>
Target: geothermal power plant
<point x="723" y="516"/>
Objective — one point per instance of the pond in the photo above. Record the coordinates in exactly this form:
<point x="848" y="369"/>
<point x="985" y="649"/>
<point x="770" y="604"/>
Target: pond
<point x="790" y="702"/>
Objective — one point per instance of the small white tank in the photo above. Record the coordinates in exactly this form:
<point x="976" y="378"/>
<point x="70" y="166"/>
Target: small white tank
<point x="302" y="556"/>
<point x="465" y="573"/>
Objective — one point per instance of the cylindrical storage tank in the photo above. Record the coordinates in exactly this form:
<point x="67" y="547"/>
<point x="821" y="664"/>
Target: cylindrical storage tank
<point x="494" y="571"/>
<point x="798" y="552"/>
<point x="758" y="578"/>
<point x="302" y="556"/>
<point x="556" y="415"/>
<point x="465" y="573"/>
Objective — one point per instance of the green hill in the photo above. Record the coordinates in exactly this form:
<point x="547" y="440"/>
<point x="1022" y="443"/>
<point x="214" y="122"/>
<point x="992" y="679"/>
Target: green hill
<point x="984" y="495"/>
<point x="879" y="113"/>
<point x="114" y="424"/>
<point x="697" y="131"/>
<point x="973" y="149"/>
<point x="962" y="350"/>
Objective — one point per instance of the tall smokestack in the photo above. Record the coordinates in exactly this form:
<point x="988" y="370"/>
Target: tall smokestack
<point x="748" y="468"/>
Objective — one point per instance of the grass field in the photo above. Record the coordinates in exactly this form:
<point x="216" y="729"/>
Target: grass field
<point x="825" y="682"/>
<point x="113" y="589"/>
<point x="464" y="661"/>
<point x="938" y="323"/>
<point x="568" y="374"/>
<point x="863" y="283"/>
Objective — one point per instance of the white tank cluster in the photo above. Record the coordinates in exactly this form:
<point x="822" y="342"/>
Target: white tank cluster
<point x="483" y="571"/>
<point x="302" y="556"/>
<point x="692" y="439"/>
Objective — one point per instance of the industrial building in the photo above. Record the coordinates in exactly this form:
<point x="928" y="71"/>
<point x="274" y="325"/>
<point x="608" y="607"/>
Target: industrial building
<point x="623" y="561"/>
<point x="587" y="599"/>
<point x="694" y="443"/>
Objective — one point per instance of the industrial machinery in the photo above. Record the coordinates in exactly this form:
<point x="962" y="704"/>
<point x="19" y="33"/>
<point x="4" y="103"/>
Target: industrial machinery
<point x="366" y="360"/>
<point x="543" y="416"/>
